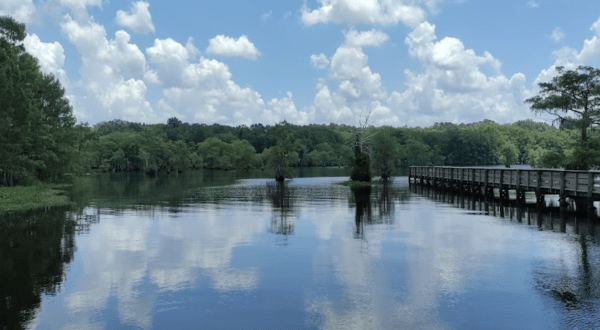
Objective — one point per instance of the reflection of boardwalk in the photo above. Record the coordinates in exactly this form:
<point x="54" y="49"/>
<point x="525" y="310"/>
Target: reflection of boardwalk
<point x="531" y="215"/>
<point x="572" y="282"/>
<point x="567" y="184"/>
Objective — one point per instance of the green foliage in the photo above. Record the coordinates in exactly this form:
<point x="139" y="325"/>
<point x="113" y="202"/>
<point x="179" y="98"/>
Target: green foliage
<point x="217" y="154"/>
<point x="11" y="30"/>
<point x="583" y="154"/>
<point x="38" y="137"/>
<point x="573" y="97"/>
<point x="508" y="154"/>
<point x="244" y="155"/>
<point x="385" y="152"/>
<point x="283" y="154"/>
<point x="553" y="159"/>
<point x="21" y="198"/>
<point x="415" y="152"/>
<point x="323" y="155"/>
<point x="147" y="147"/>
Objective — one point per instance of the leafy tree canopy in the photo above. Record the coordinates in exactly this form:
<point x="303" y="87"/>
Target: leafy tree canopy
<point x="572" y="96"/>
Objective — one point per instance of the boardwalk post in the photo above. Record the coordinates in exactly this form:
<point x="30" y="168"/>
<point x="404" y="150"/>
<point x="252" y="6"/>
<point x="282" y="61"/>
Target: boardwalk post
<point x="485" y="183"/>
<point x="563" y="195"/>
<point x="501" y="190"/>
<point x="520" y="194"/>
<point x="539" y="197"/>
<point x="590" y="192"/>
<point x="460" y="180"/>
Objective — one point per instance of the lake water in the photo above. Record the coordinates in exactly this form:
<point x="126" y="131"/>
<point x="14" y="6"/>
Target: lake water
<point x="235" y="250"/>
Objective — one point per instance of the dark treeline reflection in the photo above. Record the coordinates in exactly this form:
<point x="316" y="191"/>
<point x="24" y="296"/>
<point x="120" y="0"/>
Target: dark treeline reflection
<point x="281" y="197"/>
<point x="35" y="247"/>
<point x="573" y="284"/>
<point x="126" y="190"/>
<point x="374" y="205"/>
<point x="134" y="190"/>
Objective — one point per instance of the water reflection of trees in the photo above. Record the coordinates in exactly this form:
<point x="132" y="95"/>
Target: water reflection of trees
<point x="34" y="250"/>
<point x="572" y="283"/>
<point x="281" y="197"/>
<point x="130" y="190"/>
<point x="374" y="205"/>
<point x="369" y="297"/>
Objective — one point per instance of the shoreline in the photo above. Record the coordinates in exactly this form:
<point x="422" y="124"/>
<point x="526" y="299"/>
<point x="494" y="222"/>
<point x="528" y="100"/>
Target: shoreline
<point x="27" y="198"/>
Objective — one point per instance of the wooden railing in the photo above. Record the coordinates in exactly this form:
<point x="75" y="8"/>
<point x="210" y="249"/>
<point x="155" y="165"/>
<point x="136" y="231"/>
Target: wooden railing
<point x="572" y="182"/>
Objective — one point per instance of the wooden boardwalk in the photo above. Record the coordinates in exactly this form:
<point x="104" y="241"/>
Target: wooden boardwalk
<point x="565" y="183"/>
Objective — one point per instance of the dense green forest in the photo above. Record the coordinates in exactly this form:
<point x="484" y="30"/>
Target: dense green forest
<point x="40" y="140"/>
<point x="38" y="136"/>
<point x="125" y="146"/>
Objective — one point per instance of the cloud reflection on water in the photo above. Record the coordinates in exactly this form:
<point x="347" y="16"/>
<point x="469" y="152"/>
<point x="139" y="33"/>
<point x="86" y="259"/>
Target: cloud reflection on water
<point x="349" y="262"/>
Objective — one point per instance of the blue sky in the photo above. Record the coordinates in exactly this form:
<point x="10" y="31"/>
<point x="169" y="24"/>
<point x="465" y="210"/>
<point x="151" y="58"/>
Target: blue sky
<point x="408" y="62"/>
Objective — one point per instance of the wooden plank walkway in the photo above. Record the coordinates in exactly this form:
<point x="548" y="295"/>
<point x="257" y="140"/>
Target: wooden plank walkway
<point x="573" y="184"/>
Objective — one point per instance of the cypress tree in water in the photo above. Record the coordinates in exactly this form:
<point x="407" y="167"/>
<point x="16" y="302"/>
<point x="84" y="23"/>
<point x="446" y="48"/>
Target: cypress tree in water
<point x="361" y="168"/>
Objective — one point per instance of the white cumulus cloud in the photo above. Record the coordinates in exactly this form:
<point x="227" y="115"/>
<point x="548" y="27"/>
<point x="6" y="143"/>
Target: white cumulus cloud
<point x="370" y="38"/>
<point x="557" y="34"/>
<point x="570" y="58"/>
<point x="380" y="12"/>
<point x="171" y="59"/>
<point x="51" y="56"/>
<point x="139" y="20"/>
<point x="285" y="109"/>
<point x="359" y="89"/>
<point x="227" y="46"/>
<point x="111" y="72"/>
<point x="319" y="61"/>
<point x="21" y="10"/>
<point x="204" y="91"/>
<point x="453" y="86"/>
<point x="79" y="7"/>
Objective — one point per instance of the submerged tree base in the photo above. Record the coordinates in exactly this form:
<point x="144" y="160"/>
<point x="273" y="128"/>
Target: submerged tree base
<point x="358" y="184"/>
<point x="19" y="198"/>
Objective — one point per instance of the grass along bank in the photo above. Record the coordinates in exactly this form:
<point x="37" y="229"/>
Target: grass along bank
<point x="20" y="198"/>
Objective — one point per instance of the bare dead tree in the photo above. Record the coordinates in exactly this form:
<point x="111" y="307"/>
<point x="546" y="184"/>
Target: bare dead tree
<point x="363" y="132"/>
<point x="362" y="150"/>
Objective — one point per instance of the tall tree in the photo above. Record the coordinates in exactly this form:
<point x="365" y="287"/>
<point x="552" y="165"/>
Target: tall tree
<point x="16" y="102"/>
<point x="573" y="96"/>
<point x="37" y="139"/>
<point x="284" y="153"/>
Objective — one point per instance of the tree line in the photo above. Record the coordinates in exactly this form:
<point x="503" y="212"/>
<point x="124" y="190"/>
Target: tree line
<point x="40" y="140"/>
<point x="126" y="146"/>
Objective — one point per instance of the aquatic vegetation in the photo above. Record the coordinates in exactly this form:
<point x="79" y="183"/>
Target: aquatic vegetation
<point x="21" y="198"/>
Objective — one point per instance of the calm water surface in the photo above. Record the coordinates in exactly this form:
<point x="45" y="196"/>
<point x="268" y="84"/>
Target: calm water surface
<point x="217" y="250"/>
